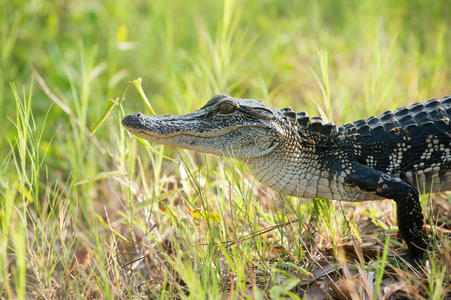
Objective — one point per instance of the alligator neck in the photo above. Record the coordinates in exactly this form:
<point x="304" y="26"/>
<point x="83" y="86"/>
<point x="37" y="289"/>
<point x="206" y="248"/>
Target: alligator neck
<point x="287" y="169"/>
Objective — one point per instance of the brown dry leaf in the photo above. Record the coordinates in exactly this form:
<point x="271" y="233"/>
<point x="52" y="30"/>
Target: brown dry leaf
<point x="407" y="292"/>
<point x="441" y="210"/>
<point x="351" y="251"/>
<point x="348" y="289"/>
<point x="82" y="259"/>
<point x="443" y="206"/>
<point x="354" y="284"/>
<point x="317" y="290"/>
<point x="442" y="230"/>
<point x="389" y="286"/>
<point x="324" y="269"/>
<point x="276" y="251"/>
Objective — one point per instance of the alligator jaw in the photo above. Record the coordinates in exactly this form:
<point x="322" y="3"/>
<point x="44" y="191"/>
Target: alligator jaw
<point x="167" y="127"/>
<point x="206" y="130"/>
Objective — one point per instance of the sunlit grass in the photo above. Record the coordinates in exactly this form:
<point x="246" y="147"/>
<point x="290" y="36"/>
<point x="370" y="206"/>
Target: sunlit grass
<point x="86" y="210"/>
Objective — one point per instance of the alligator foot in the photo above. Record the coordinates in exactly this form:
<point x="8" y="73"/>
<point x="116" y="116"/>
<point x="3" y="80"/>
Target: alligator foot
<point x="408" y="208"/>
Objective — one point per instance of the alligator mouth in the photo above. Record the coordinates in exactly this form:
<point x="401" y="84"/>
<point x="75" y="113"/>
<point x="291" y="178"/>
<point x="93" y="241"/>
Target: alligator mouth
<point x="155" y="135"/>
<point x="193" y="125"/>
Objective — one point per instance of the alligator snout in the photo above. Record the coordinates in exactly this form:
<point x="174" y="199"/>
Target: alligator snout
<point x="133" y="120"/>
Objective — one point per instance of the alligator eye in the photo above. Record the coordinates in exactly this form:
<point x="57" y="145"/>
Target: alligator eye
<point x="226" y="108"/>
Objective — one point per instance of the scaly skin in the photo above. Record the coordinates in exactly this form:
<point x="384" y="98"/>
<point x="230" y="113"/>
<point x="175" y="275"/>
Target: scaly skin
<point x="396" y="155"/>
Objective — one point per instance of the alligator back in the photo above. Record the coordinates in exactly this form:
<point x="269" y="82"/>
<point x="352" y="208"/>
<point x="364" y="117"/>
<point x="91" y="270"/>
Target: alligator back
<point x="412" y="143"/>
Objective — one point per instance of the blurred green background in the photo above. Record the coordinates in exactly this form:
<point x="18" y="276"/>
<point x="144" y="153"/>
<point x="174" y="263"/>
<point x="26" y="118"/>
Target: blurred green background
<point x="377" y="50"/>
<point x="342" y="59"/>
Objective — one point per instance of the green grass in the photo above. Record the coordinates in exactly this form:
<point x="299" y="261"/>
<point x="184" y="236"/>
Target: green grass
<point x="105" y="215"/>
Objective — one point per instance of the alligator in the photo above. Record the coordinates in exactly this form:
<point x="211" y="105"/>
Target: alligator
<point x="396" y="155"/>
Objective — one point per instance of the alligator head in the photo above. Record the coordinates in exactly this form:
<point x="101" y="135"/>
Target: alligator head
<point x="242" y="128"/>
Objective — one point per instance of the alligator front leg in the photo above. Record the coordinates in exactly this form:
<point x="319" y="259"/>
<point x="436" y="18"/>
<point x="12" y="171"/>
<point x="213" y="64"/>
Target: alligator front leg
<point x="408" y="208"/>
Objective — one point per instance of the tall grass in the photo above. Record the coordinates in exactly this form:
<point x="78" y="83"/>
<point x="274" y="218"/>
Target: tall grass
<point x="105" y="215"/>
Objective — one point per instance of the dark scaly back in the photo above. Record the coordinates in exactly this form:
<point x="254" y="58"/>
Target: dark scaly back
<point x="310" y="129"/>
<point x="408" y="142"/>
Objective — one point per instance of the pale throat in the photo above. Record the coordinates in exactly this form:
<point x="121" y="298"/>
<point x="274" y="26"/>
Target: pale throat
<point x="286" y="170"/>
